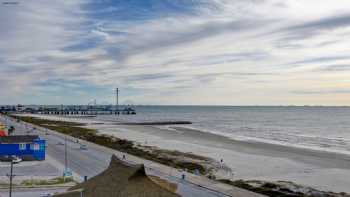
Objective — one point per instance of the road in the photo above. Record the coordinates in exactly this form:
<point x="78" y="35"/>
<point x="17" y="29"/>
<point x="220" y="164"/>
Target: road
<point x="96" y="158"/>
<point x="28" y="192"/>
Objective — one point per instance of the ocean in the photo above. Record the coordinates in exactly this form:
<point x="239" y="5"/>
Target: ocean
<point x="320" y="128"/>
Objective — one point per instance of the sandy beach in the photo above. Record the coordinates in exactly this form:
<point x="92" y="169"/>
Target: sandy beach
<point x="248" y="160"/>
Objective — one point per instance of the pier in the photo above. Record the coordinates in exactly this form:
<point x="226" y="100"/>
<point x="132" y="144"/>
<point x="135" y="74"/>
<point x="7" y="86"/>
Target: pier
<point x="91" y="109"/>
<point x="126" y="111"/>
<point x="82" y="110"/>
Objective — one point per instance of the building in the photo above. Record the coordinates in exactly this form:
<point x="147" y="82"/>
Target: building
<point x="27" y="147"/>
<point x="122" y="179"/>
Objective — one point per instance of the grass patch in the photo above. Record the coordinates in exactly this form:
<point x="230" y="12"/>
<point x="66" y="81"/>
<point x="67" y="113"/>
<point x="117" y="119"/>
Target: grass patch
<point x="54" y="181"/>
<point x="4" y="185"/>
<point x="69" y="128"/>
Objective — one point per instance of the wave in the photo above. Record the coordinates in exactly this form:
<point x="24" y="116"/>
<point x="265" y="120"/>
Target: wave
<point x="315" y="143"/>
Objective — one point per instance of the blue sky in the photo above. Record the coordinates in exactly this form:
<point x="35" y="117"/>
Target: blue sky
<point x="205" y="52"/>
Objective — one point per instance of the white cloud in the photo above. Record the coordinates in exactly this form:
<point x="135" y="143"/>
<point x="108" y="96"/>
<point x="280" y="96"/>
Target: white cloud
<point x="244" y="51"/>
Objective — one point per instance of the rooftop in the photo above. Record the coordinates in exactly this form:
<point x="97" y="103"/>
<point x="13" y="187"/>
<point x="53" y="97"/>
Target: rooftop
<point x="17" y="139"/>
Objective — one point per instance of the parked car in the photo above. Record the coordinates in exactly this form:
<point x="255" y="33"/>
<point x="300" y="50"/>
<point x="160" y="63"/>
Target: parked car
<point x="45" y="195"/>
<point x="12" y="158"/>
<point x="16" y="159"/>
<point x="83" y="147"/>
<point x="5" y="158"/>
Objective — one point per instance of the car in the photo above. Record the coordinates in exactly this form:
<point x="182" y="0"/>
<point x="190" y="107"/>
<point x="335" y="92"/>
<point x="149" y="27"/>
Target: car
<point x="83" y="147"/>
<point x="16" y="159"/>
<point x="45" y="195"/>
<point x="12" y="158"/>
<point x="5" y="158"/>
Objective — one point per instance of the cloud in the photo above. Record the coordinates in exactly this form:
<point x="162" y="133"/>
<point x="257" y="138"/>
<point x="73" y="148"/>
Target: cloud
<point x="145" y="77"/>
<point x="322" y="59"/>
<point x="321" y="92"/>
<point x="155" y="48"/>
<point x="328" y="23"/>
<point x="334" y="68"/>
<point x="310" y="29"/>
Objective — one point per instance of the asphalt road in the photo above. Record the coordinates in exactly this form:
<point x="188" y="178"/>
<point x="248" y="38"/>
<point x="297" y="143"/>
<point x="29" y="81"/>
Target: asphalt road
<point x="31" y="192"/>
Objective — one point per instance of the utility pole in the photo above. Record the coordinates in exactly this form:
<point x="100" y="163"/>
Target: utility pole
<point x="11" y="176"/>
<point x="65" y="155"/>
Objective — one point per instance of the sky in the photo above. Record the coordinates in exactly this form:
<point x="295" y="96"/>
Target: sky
<point x="175" y="52"/>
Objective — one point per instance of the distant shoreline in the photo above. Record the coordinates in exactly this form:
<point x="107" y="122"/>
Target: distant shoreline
<point x="156" y="123"/>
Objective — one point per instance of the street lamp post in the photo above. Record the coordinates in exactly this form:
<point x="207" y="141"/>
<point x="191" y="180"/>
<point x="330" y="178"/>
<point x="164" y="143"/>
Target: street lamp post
<point x="65" y="154"/>
<point x="11" y="177"/>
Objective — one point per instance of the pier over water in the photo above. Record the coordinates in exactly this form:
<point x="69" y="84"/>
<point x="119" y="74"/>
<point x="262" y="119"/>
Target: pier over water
<point x="70" y="110"/>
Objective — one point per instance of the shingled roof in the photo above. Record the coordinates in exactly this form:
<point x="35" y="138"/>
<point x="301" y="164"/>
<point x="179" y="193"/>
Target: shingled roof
<point x="120" y="179"/>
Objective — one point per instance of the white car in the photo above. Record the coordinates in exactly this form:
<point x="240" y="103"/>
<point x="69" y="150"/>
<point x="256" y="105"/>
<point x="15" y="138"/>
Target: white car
<point x="16" y="159"/>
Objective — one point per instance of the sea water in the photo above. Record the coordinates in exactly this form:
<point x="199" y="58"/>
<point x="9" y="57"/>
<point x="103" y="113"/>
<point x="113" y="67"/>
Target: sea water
<point x="324" y="128"/>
